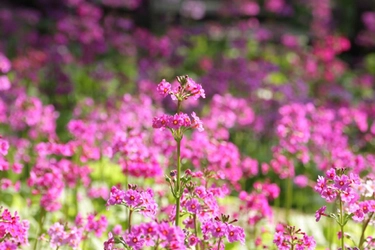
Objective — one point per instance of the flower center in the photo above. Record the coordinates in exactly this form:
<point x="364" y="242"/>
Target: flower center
<point x="135" y="240"/>
<point x="132" y="198"/>
<point x="341" y="183"/>
<point x="231" y="233"/>
<point x="218" y="229"/>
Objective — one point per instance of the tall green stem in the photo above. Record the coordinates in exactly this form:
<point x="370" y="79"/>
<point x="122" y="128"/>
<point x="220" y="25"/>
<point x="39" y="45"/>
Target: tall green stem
<point x="218" y="244"/>
<point x="196" y="229"/>
<point x="289" y="194"/>
<point x="178" y="186"/>
<point x="362" y="239"/>
<point x="41" y="222"/>
<point x="342" y="223"/>
<point x="130" y="221"/>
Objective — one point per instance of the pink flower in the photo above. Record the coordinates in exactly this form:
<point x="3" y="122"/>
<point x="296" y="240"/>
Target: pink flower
<point x="164" y="88"/>
<point x="235" y="233"/>
<point x="193" y="240"/>
<point x="301" y="181"/>
<point x="5" y="64"/>
<point x="116" y="196"/>
<point x="132" y="198"/>
<point x="197" y="123"/>
<point x="342" y="182"/>
<point x="135" y="241"/>
<point x="219" y="229"/>
<point x="4" y="83"/>
<point x="193" y="206"/>
<point x="4" y="146"/>
<point x="175" y="121"/>
<point x="320" y="212"/>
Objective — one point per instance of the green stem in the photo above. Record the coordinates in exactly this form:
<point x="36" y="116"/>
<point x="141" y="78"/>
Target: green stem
<point x="41" y="222"/>
<point x="157" y="244"/>
<point x="196" y="229"/>
<point x="342" y="224"/>
<point x="130" y="220"/>
<point x="178" y="186"/>
<point x="289" y="194"/>
<point x="218" y="244"/>
<point x="84" y="241"/>
<point x="362" y="239"/>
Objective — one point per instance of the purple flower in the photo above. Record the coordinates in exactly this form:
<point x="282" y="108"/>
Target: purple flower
<point x="320" y="212"/>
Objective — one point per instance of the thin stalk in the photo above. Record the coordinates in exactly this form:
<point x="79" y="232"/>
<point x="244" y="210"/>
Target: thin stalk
<point x="196" y="229"/>
<point x="41" y="222"/>
<point x="362" y="239"/>
<point x="178" y="186"/>
<point x="218" y="244"/>
<point x="289" y="194"/>
<point x="85" y="240"/>
<point x="342" y="223"/>
<point x="156" y="245"/>
<point x="130" y="221"/>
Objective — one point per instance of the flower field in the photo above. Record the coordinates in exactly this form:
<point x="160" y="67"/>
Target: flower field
<point x="187" y="124"/>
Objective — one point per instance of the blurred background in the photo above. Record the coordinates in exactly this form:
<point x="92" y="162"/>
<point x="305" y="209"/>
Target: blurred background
<point x="252" y="57"/>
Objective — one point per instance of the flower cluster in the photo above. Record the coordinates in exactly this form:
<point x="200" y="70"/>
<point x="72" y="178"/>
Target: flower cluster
<point x="13" y="231"/>
<point x="187" y="88"/>
<point x="136" y="200"/>
<point x="177" y="121"/>
<point x="288" y="237"/>
<point x="62" y="235"/>
<point x="151" y="234"/>
<point x="220" y="228"/>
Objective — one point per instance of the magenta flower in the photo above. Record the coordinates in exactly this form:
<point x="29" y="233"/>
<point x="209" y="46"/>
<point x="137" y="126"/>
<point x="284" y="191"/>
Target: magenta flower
<point x="193" y="240"/>
<point x="193" y="206"/>
<point x="320" y="184"/>
<point x="135" y="241"/>
<point x="108" y="245"/>
<point x="342" y="182"/>
<point x="194" y="89"/>
<point x="197" y="123"/>
<point x="219" y="229"/>
<point x="116" y="196"/>
<point x="329" y="194"/>
<point x="5" y="64"/>
<point x="132" y="198"/>
<point x="331" y="174"/>
<point x="235" y="233"/>
<point x="4" y="146"/>
<point x="164" y="88"/>
<point x="320" y="212"/>
<point x="175" y="121"/>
